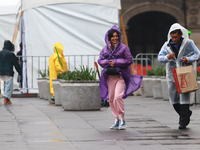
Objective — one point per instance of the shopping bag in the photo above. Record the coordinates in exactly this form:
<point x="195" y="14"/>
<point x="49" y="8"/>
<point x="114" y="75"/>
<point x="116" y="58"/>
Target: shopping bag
<point x="185" y="79"/>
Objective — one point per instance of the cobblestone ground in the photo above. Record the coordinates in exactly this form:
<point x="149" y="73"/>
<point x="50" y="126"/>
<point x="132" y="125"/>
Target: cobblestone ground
<point x="152" y="124"/>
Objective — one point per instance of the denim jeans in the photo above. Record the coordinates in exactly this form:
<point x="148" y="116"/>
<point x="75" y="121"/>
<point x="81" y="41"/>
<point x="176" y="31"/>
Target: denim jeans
<point x="8" y="88"/>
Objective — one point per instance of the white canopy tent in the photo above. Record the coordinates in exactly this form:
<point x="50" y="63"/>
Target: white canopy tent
<point x="8" y="11"/>
<point x="28" y="4"/>
<point x="80" y="25"/>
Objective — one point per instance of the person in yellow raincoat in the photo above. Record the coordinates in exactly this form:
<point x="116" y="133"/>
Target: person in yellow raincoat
<point x="57" y="64"/>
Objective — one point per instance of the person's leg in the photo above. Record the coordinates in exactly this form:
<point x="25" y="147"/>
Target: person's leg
<point x="185" y="112"/>
<point x="8" y="89"/>
<point x="118" y="101"/>
<point x="51" y="89"/>
<point x="20" y="81"/>
<point x="111" y="80"/>
<point x="177" y="108"/>
<point x="174" y="97"/>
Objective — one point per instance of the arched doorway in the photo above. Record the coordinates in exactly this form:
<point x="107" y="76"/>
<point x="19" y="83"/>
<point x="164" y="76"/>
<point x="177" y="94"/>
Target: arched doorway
<point x="148" y="31"/>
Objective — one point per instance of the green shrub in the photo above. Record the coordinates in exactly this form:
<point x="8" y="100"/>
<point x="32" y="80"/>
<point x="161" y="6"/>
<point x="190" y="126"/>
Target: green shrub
<point x="43" y="72"/>
<point x="159" y="71"/>
<point x="198" y="73"/>
<point x="150" y="72"/>
<point x="84" y="74"/>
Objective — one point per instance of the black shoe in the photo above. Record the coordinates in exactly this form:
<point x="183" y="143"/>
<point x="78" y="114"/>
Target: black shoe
<point x="52" y="98"/>
<point x="182" y="127"/>
<point x="104" y="103"/>
<point x="185" y="114"/>
<point x="107" y="103"/>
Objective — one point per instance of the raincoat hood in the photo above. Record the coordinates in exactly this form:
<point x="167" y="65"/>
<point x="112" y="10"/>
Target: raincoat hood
<point x="176" y="26"/>
<point x="59" y="48"/>
<point x="106" y="35"/>
<point x="8" y="45"/>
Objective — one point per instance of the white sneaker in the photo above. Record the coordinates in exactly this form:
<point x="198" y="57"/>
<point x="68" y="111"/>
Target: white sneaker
<point x="122" y="125"/>
<point x="116" y="125"/>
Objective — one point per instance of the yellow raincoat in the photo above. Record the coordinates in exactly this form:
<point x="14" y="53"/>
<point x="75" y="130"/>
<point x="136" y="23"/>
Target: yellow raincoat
<point x="55" y="66"/>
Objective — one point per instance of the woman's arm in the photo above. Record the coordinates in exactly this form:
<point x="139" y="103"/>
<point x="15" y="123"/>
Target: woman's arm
<point x="101" y="61"/>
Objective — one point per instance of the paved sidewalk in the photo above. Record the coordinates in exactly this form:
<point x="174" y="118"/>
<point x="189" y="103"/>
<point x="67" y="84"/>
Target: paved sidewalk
<point x="152" y="124"/>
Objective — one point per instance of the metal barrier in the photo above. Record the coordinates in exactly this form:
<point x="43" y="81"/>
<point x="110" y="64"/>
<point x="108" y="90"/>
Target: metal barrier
<point x="147" y="60"/>
<point x="35" y="63"/>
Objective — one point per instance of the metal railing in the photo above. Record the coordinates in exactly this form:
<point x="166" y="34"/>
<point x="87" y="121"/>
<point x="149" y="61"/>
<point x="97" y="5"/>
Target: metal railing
<point x="35" y="63"/>
<point x="146" y="60"/>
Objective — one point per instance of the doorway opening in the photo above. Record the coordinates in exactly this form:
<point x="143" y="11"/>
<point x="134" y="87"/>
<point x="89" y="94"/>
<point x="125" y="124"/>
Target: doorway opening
<point x="148" y="31"/>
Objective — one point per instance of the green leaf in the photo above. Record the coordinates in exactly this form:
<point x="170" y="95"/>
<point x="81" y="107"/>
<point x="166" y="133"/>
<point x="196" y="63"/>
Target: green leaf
<point x="84" y="73"/>
<point x="43" y="72"/>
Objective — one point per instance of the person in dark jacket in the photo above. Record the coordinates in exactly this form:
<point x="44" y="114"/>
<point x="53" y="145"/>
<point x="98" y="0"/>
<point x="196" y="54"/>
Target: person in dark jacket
<point x="19" y="54"/>
<point x="7" y="61"/>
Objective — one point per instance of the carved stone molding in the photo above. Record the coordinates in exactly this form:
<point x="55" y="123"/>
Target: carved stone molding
<point x="178" y="3"/>
<point x="194" y="27"/>
<point x="193" y="11"/>
<point x="193" y="20"/>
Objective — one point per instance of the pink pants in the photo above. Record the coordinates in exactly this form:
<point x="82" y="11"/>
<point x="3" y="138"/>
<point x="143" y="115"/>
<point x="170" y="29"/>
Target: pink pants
<point x="116" y="87"/>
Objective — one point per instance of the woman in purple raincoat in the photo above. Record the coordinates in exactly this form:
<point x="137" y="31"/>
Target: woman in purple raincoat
<point x="115" y="88"/>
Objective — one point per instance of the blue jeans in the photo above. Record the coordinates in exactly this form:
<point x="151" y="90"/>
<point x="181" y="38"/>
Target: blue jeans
<point x="8" y="88"/>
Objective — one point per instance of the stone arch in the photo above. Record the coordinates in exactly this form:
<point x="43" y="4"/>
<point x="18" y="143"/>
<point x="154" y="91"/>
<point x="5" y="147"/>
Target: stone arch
<point x="147" y="31"/>
<point x="147" y="7"/>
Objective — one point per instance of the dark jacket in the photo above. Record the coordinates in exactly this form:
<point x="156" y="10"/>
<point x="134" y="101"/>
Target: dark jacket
<point x="19" y="53"/>
<point x="8" y="60"/>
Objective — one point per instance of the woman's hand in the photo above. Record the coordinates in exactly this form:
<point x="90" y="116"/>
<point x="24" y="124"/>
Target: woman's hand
<point x="111" y="63"/>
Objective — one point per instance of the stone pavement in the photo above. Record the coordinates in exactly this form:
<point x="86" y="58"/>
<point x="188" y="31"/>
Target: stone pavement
<point x="34" y="124"/>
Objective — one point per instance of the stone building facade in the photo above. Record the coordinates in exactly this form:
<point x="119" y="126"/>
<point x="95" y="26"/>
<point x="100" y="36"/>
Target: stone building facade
<point x="147" y="22"/>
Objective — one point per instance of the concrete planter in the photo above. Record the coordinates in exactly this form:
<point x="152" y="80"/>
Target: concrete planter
<point x="157" y="89"/>
<point x="147" y="86"/>
<point x="80" y="95"/>
<point x="41" y="86"/>
<point x="198" y="91"/>
<point x="57" y="94"/>
<point x="48" y="94"/>
<point x="165" y="91"/>
<point x="46" y="90"/>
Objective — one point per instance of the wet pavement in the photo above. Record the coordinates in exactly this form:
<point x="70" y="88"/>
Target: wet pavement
<point x="152" y="124"/>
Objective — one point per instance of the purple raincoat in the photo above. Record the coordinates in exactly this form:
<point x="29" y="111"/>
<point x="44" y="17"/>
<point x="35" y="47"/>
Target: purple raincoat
<point x="122" y="60"/>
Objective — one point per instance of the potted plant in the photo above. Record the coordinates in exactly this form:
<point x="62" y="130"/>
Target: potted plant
<point x="157" y="85"/>
<point x="43" y="84"/>
<point x="198" y="91"/>
<point x="80" y="90"/>
<point x="148" y="84"/>
<point x="57" y="94"/>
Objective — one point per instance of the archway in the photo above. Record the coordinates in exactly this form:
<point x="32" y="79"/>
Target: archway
<point x="148" y="31"/>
